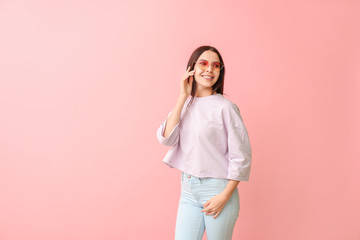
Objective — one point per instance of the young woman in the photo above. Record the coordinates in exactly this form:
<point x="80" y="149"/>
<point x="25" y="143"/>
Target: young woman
<point x="211" y="148"/>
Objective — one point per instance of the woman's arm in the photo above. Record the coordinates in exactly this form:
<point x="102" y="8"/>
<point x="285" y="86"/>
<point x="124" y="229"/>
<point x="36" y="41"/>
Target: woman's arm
<point x="230" y="187"/>
<point x="174" y="117"/>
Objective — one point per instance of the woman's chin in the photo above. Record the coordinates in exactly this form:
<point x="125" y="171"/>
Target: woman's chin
<point x="206" y="85"/>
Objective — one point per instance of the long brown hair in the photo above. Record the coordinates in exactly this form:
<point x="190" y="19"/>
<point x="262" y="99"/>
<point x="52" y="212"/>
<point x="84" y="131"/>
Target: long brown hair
<point x="219" y="85"/>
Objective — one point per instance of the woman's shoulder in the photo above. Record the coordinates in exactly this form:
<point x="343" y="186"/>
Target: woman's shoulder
<point x="228" y="104"/>
<point x="231" y="112"/>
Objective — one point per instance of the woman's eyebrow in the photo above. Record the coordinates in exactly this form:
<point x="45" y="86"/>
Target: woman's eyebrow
<point x="207" y="60"/>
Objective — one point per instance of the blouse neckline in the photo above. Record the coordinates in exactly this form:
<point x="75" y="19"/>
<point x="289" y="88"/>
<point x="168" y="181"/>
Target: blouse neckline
<point x="207" y="97"/>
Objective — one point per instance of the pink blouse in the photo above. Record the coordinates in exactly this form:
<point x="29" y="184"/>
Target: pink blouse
<point x="210" y="140"/>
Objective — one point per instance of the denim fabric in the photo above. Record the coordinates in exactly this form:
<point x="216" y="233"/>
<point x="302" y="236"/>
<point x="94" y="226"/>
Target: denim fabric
<point x="191" y="222"/>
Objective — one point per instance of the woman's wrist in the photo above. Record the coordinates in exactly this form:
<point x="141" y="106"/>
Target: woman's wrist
<point x="226" y="194"/>
<point x="182" y="98"/>
<point x="230" y="188"/>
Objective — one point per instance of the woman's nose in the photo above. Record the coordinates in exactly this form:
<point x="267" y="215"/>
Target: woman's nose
<point x="209" y="69"/>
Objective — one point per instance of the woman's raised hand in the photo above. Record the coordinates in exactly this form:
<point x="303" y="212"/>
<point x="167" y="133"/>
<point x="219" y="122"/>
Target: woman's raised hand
<point x="185" y="85"/>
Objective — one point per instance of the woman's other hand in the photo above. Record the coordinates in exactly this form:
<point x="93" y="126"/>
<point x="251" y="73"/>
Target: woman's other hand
<point x="215" y="204"/>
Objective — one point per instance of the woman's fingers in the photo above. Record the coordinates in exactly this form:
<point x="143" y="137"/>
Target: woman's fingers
<point x="206" y="207"/>
<point x="189" y="74"/>
<point x="212" y="212"/>
<point x="217" y="214"/>
<point x="186" y="82"/>
<point x="209" y="210"/>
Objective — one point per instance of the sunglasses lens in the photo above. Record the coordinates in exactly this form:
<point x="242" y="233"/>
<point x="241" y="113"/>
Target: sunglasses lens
<point x="217" y="66"/>
<point x="203" y="65"/>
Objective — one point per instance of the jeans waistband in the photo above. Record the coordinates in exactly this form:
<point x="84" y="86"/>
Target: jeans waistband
<point x="188" y="176"/>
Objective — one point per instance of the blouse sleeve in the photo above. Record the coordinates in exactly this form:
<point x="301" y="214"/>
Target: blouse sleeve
<point x="173" y="137"/>
<point x="238" y="145"/>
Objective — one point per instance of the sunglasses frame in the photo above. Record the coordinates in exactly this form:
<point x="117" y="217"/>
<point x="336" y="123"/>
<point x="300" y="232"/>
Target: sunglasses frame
<point x="222" y="65"/>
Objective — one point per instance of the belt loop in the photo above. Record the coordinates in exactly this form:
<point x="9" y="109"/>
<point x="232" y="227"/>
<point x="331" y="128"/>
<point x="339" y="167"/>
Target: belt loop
<point x="182" y="176"/>
<point x="200" y="180"/>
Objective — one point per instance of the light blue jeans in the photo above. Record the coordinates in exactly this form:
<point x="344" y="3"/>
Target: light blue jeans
<point x="191" y="222"/>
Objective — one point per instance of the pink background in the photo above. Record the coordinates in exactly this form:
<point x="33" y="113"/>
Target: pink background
<point x="86" y="84"/>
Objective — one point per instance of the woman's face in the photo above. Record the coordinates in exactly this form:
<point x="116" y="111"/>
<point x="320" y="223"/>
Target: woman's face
<point x="200" y="75"/>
